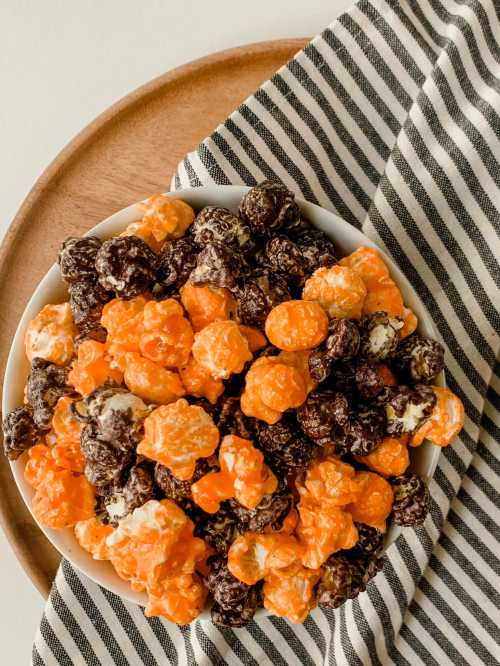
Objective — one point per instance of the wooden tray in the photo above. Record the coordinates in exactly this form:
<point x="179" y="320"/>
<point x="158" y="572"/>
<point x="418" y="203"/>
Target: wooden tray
<point x="126" y="154"/>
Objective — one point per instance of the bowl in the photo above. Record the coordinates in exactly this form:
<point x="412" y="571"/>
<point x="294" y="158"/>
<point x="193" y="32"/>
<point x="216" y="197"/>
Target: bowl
<point x="52" y="290"/>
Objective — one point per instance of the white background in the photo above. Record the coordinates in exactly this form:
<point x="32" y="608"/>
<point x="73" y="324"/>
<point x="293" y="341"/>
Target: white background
<point x="61" y="64"/>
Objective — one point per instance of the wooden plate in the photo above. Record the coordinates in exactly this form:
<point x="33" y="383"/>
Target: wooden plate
<point x="127" y="153"/>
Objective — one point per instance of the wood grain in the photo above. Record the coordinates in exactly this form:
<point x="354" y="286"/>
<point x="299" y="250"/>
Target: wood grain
<point x="127" y="153"/>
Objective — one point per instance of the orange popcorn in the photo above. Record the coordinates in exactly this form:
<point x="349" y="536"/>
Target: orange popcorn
<point x="375" y="502"/>
<point x="92" y="368"/>
<point x="390" y="458"/>
<point x="154" y="543"/>
<point x="243" y="476"/>
<point x="252" y="557"/>
<point x="91" y="534"/>
<point x="39" y="464"/>
<point x="151" y="382"/>
<point x="289" y="592"/>
<point x="164" y="218"/>
<point x="179" y="599"/>
<point x="63" y="499"/>
<point x="176" y="435"/>
<point x="256" y="340"/>
<point x="300" y="361"/>
<point x="199" y="382"/>
<point x="382" y="292"/>
<point x="339" y="290"/>
<point x="387" y="375"/>
<point x="323" y="529"/>
<point x="445" y="422"/>
<point x="297" y="325"/>
<point x="221" y="349"/>
<point x="124" y="322"/>
<point x="410" y="323"/>
<point x="333" y="482"/>
<point x="168" y="336"/>
<point x="206" y="304"/>
<point x="271" y="388"/>
<point x="50" y="335"/>
<point x="65" y="425"/>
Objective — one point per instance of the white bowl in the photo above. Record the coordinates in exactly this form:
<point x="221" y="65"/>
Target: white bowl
<point x="52" y="290"/>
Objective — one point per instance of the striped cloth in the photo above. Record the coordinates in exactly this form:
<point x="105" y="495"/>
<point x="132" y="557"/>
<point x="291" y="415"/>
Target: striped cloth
<point x="391" y="119"/>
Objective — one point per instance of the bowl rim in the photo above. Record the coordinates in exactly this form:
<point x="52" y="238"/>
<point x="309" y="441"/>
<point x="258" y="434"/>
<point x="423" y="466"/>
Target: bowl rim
<point x="101" y="572"/>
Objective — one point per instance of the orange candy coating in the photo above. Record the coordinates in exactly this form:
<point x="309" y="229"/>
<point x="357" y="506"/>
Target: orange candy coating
<point x="243" y="476"/>
<point x="176" y="435"/>
<point x="199" y="382"/>
<point x="333" y="482"/>
<point x="40" y="463"/>
<point x="91" y="534"/>
<point x="300" y="361"/>
<point x="179" y="599"/>
<point x="62" y="499"/>
<point x="221" y="349"/>
<point x="375" y="502"/>
<point x="50" y="335"/>
<point x="387" y="375"/>
<point x="323" y="529"/>
<point x="152" y="543"/>
<point x="150" y="381"/>
<point x="66" y="452"/>
<point x="252" y="557"/>
<point x="339" y="290"/>
<point x="290" y="592"/>
<point x="296" y="325"/>
<point x="168" y="336"/>
<point x="382" y="292"/>
<point x="256" y="340"/>
<point x="445" y="422"/>
<point x="206" y="304"/>
<point x="390" y="458"/>
<point x="271" y="387"/>
<point x="124" y="322"/>
<point x="92" y="368"/>
<point x="410" y="323"/>
<point x="164" y="218"/>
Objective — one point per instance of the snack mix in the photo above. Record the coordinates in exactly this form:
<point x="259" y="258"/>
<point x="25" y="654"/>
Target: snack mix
<point x="224" y="409"/>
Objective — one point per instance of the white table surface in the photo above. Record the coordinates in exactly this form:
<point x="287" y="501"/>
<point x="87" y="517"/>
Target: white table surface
<point x="61" y="64"/>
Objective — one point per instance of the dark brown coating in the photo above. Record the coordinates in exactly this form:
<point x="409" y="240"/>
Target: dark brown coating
<point x="232" y="421"/>
<point x="286" y="449"/>
<point x="86" y="300"/>
<point x="411" y="500"/>
<point x="19" y="432"/>
<point x="219" y="266"/>
<point x="231" y="618"/>
<point x="369" y="381"/>
<point x="46" y="384"/>
<point x="177" y="489"/>
<point x="320" y="365"/>
<point x="229" y="592"/>
<point x="379" y="335"/>
<point x="176" y="261"/>
<point x="370" y="542"/>
<point x="126" y="265"/>
<point x="267" y="207"/>
<point x="271" y="510"/>
<point x="214" y="224"/>
<point x="77" y="257"/>
<point x="317" y="250"/>
<point x="322" y="414"/>
<point x="258" y="295"/>
<point x="408" y="408"/>
<point x="105" y="462"/>
<point x="365" y="430"/>
<point x="341" y="579"/>
<point x="283" y="256"/>
<point x="134" y="493"/>
<point x="343" y="341"/>
<point x="419" y="359"/>
<point x="217" y="529"/>
<point x="121" y="424"/>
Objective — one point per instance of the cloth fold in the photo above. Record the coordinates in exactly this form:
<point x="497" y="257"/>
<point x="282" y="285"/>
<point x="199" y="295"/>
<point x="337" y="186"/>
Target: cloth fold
<point x="391" y="119"/>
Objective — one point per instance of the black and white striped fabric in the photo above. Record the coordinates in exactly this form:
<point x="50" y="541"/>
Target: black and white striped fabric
<point x="390" y="118"/>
